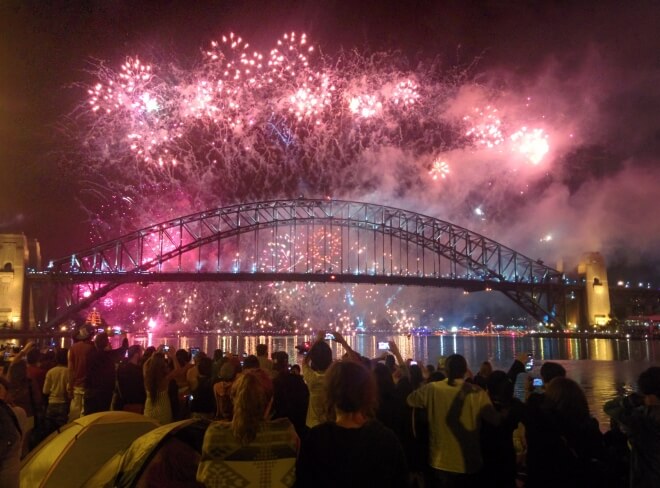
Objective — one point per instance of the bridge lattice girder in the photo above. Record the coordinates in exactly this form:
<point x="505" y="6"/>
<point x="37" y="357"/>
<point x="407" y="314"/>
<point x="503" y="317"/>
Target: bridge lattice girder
<point x="447" y="251"/>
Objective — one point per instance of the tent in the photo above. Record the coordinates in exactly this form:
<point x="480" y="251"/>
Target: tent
<point x="169" y="454"/>
<point x="72" y="455"/>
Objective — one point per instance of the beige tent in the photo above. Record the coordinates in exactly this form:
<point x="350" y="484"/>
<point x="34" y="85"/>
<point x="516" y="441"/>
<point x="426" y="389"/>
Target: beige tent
<point x="170" y="453"/>
<point x="73" y="455"/>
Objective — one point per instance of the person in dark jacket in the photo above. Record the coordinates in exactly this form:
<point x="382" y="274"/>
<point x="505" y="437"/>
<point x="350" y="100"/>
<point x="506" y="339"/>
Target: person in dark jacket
<point x="130" y="382"/>
<point x="497" y="445"/>
<point x="101" y="374"/>
<point x="567" y="437"/>
<point x="290" y="394"/>
<point x="354" y="450"/>
<point x="639" y="417"/>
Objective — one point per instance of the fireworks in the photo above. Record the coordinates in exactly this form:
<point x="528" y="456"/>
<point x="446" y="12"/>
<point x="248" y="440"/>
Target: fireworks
<point x="439" y="170"/>
<point x="160" y="141"/>
<point x="531" y="143"/>
<point x="484" y="127"/>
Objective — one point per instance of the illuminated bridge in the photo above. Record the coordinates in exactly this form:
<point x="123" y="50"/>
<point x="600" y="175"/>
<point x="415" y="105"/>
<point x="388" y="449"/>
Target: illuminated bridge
<point x="307" y="240"/>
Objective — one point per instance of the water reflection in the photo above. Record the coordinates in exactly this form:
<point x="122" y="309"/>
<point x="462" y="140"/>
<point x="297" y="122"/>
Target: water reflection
<point x="600" y="366"/>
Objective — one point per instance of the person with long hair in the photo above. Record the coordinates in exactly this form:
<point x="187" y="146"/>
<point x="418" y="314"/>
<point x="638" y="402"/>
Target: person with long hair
<point x="162" y="398"/>
<point x="250" y="447"/>
<point x="354" y="450"/>
<point x="569" y="437"/>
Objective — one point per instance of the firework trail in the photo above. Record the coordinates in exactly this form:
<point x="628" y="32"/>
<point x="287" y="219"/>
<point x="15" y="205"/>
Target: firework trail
<point x="244" y="125"/>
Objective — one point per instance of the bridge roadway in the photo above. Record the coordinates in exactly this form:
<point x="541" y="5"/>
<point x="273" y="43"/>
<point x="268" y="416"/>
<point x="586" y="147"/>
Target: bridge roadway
<point x="403" y="247"/>
<point x="315" y="277"/>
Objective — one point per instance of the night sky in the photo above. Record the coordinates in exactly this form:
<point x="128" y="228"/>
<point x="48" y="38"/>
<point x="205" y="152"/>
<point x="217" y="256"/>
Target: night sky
<point x="595" y="61"/>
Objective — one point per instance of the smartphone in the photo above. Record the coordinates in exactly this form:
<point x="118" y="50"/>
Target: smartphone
<point x="166" y="348"/>
<point x="383" y="346"/>
<point x="530" y="362"/>
<point x="194" y="351"/>
<point x="413" y="363"/>
<point x="329" y="337"/>
<point x="537" y="382"/>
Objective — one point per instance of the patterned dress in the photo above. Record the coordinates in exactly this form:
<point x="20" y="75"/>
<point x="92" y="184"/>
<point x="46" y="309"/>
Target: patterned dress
<point x="267" y="462"/>
<point x="160" y="408"/>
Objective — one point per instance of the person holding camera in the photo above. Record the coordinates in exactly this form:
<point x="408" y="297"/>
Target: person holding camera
<point x="639" y="417"/>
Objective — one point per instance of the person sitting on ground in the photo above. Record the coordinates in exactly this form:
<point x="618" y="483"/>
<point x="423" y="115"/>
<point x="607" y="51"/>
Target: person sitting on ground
<point x="56" y="386"/>
<point x="251" y="448"/>
<point x="354" y="450"/>
<point x="639" y="417"/>
<point x="130" y="382"/>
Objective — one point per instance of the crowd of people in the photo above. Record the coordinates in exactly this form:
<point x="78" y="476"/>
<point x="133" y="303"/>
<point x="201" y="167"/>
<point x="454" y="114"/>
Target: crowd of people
<point x="345" y="422"/>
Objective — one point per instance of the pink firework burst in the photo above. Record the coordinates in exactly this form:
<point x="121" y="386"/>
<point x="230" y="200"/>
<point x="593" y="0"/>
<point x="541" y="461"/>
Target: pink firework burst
<point x="439" y="170"/>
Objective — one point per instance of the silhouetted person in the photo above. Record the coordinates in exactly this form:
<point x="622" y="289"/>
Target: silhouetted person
<point x="354" y="450"/>
<point x="101" y="373"/>
<point x="639" y="417"/>
<point x="290" y="394"/>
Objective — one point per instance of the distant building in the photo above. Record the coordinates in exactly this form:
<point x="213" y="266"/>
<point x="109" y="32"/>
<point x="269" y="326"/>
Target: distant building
<point x="643" y="324"/>
<point x="17" y="253"/>
<point x="592" y="269"/>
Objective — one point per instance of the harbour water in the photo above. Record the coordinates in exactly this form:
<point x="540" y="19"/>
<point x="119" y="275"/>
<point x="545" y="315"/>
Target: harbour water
<point x="601" y="366"/>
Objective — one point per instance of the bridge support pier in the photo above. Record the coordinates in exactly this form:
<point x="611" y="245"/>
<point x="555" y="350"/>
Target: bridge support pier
<point x="17" y="254"/>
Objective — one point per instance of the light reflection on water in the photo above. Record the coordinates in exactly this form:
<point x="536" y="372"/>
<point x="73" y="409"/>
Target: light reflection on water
<point x="600" y="366"/>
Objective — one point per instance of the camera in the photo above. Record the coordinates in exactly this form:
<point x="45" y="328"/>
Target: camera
<point x="383" y="346"/>
<point x="329" y="337"/>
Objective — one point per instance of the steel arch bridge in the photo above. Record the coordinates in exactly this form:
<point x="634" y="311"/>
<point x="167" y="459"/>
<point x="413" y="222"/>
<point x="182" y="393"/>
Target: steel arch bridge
<point x="308" y="240"/>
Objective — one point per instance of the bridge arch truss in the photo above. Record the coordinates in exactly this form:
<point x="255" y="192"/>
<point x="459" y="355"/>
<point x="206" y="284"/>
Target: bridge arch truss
<point x="306" y="240"/>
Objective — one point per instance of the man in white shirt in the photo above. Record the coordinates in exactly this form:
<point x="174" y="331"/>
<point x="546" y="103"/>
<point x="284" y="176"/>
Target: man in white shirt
<point x="56" y="387"/>
<point x="455" y="410"/>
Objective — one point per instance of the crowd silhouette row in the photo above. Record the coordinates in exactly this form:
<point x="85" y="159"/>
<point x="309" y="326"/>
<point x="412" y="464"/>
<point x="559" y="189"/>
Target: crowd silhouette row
<point x="348" y="422"/>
